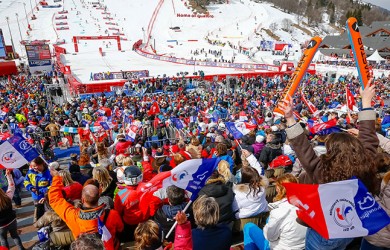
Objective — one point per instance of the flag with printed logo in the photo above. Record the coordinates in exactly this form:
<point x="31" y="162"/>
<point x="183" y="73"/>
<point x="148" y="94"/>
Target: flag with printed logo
<point x="343" y="209"/>
<point x="16" y="152"/>
<point x="190" y="175"/>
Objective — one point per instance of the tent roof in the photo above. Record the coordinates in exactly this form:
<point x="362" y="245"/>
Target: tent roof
<point x="376" y="57"/>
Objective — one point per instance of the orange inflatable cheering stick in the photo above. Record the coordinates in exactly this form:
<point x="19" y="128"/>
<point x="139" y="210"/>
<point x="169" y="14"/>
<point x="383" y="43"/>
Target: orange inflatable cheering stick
<point x="359" y="54"/>
<point x="300" y="71"/>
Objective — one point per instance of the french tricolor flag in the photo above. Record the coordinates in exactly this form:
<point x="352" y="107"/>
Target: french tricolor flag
<point x="315" y="127"/>
<point x="243" y="117"/>
<point x="106" y="125"/>
<point x="132" y="132"/>
<point x="237" y="129"/>
<point x="343" y="209"/>
<point x="3" y="115"/>
<point x="101" y="112"/>
<point x="250" y="125"/>
<point x="190" y="175"/>
<point x="106" y="235"/>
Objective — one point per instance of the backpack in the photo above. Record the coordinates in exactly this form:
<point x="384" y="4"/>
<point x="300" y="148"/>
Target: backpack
<point x="281" y="161"/>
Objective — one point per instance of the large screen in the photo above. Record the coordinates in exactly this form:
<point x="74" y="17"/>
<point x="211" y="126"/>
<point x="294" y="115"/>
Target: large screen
<point x="38" y="55"/>
<point x="3" y="53"/>
<point x="38" y="52"/>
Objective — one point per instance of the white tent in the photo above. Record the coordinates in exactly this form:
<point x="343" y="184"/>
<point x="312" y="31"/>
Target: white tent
<point x="318" y="56"/>
<point x="344" y="109"/>
<point x="375" y="57"/>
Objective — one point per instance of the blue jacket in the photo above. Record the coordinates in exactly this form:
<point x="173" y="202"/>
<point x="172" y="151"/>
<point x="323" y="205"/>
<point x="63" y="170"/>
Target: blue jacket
<point x="386" y="120"/>
<point x="40" y="181"/>
<point x="227" y="158"/>
<point x="218" y="237"/>
<point x="18" y="177"/>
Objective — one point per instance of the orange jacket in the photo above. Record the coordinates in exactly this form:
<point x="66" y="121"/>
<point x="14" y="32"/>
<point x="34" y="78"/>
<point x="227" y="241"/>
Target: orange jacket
<point x="79" y="220"/>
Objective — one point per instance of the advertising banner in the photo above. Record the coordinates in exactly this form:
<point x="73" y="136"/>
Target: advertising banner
<point x="35" y="63"/>
<point x="128" y="75"/>
<point x="3" y="53"/>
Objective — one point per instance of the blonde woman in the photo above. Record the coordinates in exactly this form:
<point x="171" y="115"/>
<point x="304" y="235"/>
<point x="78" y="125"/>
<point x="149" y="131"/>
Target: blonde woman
<point x="123" y="163"/>
<point x="71" y="188"/>
<point x="107" y="184"/>
<point x="85" y="147"/>
<point x="177" y="159"/>
<point x="224" y="171"/>
<point x="282" y="231"/>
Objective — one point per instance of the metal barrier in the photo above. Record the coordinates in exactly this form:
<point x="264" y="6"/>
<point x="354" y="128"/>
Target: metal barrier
<point x="74" y="139"/>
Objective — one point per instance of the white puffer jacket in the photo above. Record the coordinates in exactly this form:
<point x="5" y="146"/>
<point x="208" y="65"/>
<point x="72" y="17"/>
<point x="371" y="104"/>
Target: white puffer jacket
<point x="246" y="204"/>
<point x="282" y="231"/>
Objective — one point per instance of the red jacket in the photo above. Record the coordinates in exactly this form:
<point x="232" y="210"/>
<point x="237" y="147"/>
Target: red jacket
<point x="127" y="205"/>
<point x="183" y="237"/>
<point x="122" y="146"/>
<point x="115" y="226"/>
<point x="84" y="134"/>
<point x="185" y="154"/>
<point x="148" y="173"/>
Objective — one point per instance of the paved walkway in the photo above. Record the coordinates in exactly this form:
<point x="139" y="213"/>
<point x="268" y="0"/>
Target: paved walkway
<point x="25" y="217"/>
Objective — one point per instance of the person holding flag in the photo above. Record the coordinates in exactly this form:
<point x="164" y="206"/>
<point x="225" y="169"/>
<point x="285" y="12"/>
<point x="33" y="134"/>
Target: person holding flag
<point x="346" y="157"/>
<point x="38" y="181"/>
<point x="282" y="230"/>
<point x="190" y="175"/>
<point x="8" y="221"/>
<point x="90" y="218"/>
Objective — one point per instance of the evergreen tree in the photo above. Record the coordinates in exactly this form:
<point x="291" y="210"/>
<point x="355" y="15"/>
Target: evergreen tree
<point x="348" y="14"/>
<point x="318" y="4"/>
<point x="309" y="10"/>
<point x="359" y="16"/>
<point x="332" y="17"/>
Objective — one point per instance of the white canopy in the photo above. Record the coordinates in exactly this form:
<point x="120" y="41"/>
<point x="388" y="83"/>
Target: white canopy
<point x="344" y="109"/>
<point x="376" y="57"/>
